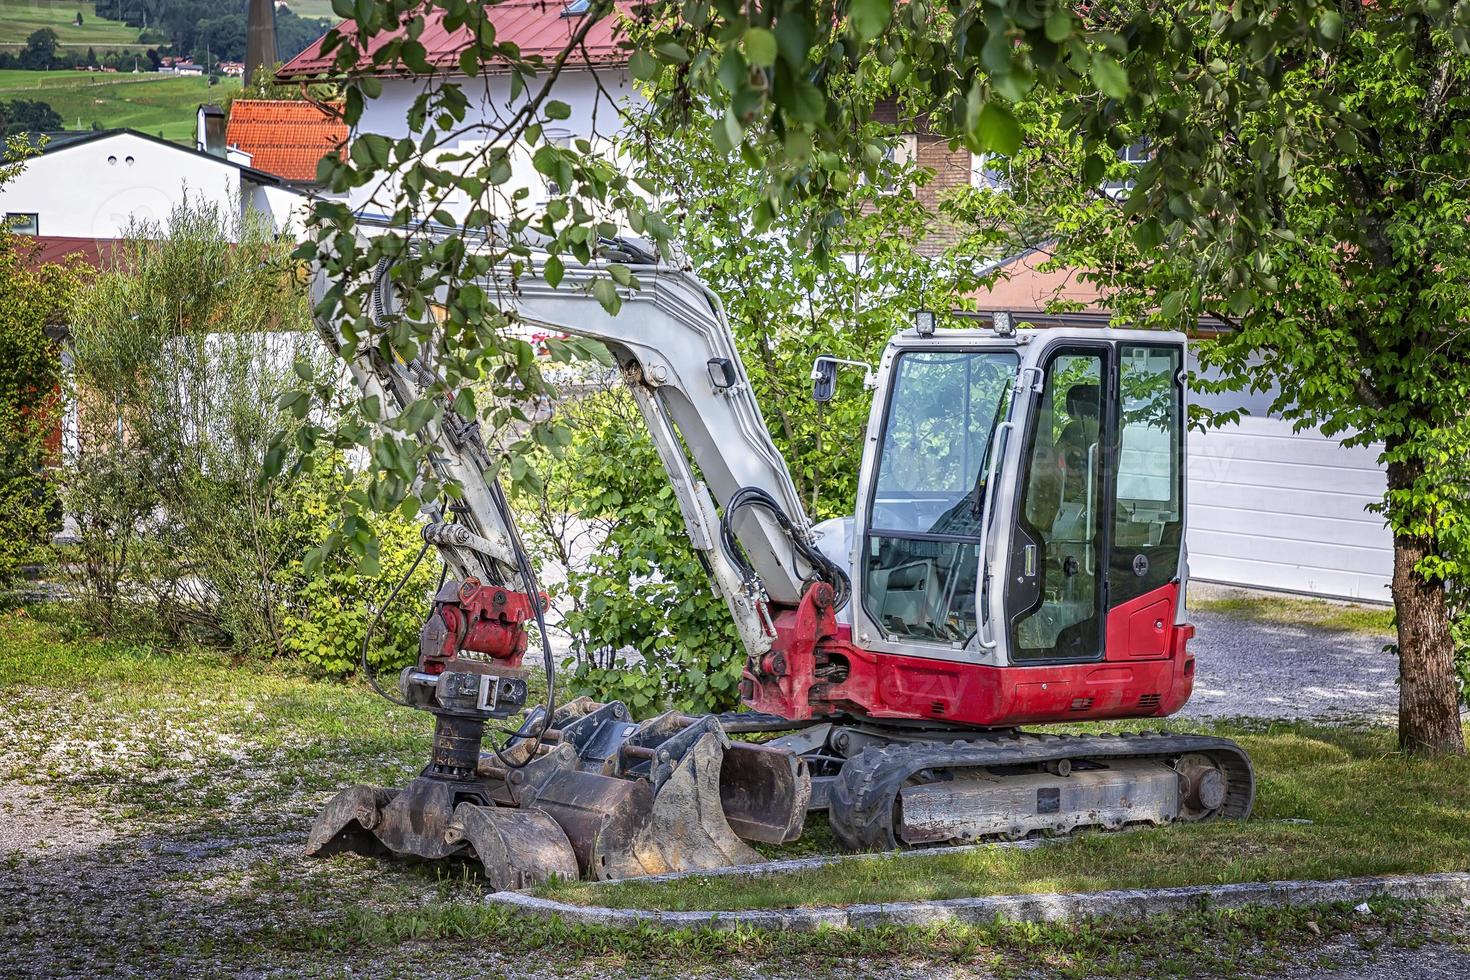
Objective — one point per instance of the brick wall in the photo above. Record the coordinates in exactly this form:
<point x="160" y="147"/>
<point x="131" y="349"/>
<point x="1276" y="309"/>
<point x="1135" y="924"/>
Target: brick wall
<point x="951" y="169"/>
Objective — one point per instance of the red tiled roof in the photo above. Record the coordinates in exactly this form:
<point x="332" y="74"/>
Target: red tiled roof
<point x="537" y="27"/>
<point x="1025" y="286"/>
<point x="284" y="137"/>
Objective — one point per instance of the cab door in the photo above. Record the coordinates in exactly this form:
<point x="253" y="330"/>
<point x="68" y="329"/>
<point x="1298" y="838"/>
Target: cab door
<point x="1097" y="518"/>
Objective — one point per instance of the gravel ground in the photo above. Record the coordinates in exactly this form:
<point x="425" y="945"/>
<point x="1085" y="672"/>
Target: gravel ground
<point x="1250" y="669"/>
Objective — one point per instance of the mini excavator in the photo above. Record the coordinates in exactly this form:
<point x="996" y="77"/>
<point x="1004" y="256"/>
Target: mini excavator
<point x="1016" y="556"/>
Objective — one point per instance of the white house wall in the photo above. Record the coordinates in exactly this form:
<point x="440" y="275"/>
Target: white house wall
<point x="592" y="96"/>
<point x="1277" y="509"/>
<point x="97" y="188"/>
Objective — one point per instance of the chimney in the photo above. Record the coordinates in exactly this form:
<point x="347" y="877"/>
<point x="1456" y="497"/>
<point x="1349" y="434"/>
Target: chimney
<point x="260" y="39"/>
<point x="209" y="134"/>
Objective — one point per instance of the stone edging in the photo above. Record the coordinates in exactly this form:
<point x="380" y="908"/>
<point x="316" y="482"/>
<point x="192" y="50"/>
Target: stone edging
<point x="1131" y="903"/>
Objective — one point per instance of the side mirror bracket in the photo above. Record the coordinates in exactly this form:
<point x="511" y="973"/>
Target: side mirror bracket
<point x="824" y="376"/>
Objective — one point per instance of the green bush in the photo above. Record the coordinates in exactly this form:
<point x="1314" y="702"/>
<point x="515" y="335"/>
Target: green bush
<point x="181" y="356"/>
<point x="327" y="613"/>
<point x="646" y="626"/>
<point x="30" y="416"/>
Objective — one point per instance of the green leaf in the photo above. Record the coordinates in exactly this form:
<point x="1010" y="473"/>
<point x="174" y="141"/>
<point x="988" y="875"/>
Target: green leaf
<point x="807" y="102"/>
<point x="557" y="110"/>
<point x="760" y="47"/>
<point x="1059" y="25"/>
<point x="996" y="130"/>
<point x="1173" y="305"/>
<point x="673" y="51"/>
<point x="607" y="294"/>
<point x="1093" y="169"/>
<point x="869" y="17"/>
<point x="553" y="271"/>
<point x="643" y="65"/>
<point x="1109" y="77"/>
<point x="1329" y="25"/>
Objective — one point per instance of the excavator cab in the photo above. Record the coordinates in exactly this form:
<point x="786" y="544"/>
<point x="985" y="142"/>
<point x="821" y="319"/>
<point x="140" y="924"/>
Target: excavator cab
<point x="1071" y="441"/>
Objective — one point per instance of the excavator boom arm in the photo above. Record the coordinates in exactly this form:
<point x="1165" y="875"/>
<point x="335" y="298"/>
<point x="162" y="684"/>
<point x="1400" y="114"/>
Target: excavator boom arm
<point x="675" y="349"/>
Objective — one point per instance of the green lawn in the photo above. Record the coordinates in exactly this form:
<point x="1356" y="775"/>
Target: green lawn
<point x="148" y="102"/>
<point x="1347" y="617"/>
<point x="21" y="18"/>
<point x="314" y="8"/>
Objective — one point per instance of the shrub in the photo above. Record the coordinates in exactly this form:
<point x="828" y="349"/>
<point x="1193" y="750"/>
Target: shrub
<point x="30" y="416"/>
<point x="327" y="613"/>
<point x="645" y="624"/>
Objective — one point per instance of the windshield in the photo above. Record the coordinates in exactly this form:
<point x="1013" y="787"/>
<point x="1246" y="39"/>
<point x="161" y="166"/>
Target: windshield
<point x="941" y="418"/>
<point x="921" y="559"/>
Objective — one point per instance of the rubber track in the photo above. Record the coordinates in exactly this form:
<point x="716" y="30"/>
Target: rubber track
<point x="865" y="792"/>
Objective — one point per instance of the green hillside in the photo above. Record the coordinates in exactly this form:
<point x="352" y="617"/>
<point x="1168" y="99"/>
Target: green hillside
<point x="313" y="8"/>
<point x="150" y="103"/>
<point x="20" y="18"/>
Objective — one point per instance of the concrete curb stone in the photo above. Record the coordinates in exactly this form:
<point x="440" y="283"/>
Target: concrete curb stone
<point x="1121" y="903"/>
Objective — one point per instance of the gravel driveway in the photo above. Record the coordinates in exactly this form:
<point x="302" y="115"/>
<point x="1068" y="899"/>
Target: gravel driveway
<point x="1251" y="668"/>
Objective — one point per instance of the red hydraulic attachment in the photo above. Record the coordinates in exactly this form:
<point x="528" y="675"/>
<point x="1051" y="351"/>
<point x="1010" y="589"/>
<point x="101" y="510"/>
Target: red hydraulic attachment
<point x="475" y="618"/>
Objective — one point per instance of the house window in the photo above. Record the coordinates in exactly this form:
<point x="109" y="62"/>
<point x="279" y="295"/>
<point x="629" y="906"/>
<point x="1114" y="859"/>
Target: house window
<point x="1135" y="155"/>
<point x="576" y="8"/>
<point x="900" y="153"/>
<point x="23" y="224"/>
<point x="989" y="172"/>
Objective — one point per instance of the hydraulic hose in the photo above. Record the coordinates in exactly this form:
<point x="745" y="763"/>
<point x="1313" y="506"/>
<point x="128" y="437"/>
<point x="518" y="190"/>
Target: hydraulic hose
<point x="827" y="570"/>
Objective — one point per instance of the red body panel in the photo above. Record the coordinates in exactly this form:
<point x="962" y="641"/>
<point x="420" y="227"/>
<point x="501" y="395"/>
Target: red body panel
<point x="1147" y="672"/>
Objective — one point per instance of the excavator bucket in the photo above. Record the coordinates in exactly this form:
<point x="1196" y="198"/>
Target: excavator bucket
<point x="764" y="792"/>
<point x="596" y="796"/>
<point x="515" y="848"/>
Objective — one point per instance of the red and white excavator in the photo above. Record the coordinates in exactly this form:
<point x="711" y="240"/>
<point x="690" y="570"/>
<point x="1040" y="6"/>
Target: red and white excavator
<point x="1015" y="557"/>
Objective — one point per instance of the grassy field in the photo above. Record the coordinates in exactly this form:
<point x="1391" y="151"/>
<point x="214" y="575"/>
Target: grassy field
<point x="151" y="103"/>
<point x="314" y="8"/>
<point x="1347" y="617"/>
<point x="153" y="805"/>
<point x="21" y="18"/>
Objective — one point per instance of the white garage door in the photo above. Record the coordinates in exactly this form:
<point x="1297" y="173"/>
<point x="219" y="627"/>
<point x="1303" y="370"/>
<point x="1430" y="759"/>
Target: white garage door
<point x="1275" y="509"/>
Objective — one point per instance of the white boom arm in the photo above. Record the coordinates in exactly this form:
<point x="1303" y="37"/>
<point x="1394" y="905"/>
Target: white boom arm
<point x="677" y="354"/>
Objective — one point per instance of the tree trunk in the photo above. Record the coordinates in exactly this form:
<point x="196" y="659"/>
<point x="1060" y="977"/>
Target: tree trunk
<point x="1429" y="702"/>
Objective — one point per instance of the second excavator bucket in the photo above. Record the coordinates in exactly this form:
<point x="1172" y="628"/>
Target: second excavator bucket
<point x="595" y="795"/>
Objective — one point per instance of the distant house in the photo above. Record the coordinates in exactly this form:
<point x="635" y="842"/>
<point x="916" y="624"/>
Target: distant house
<point x="287" y="138"/>
<point x="94" y="185"/>
<point x="1268" y="506"/>
<point x="594" y="83"/>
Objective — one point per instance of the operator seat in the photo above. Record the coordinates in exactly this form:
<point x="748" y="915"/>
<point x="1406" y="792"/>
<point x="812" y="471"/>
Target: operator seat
<point x="1074" y="444"/>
